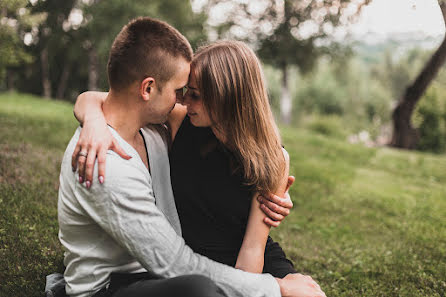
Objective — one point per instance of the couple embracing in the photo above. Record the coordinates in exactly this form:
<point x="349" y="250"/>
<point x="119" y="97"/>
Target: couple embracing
<point x="133" y="225"/>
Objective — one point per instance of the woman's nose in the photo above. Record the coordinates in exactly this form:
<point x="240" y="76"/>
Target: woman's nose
<point x="185" y="100"/>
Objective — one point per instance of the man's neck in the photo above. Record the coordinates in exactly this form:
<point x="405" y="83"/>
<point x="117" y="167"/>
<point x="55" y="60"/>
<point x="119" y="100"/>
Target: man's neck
<point x="122" y="113"/>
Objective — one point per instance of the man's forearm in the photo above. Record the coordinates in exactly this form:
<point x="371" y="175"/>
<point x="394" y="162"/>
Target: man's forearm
<point x="89" y="106"/>
<point x="125" y="208"/>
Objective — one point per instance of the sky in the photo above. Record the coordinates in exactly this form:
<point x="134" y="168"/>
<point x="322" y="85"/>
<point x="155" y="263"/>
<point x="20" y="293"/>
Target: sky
<point x="385" y="17"/>
<point x="400" y="16"/>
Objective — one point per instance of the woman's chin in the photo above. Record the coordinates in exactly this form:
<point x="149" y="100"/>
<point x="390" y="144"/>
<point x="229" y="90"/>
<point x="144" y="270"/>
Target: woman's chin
<point x="194" y="121"/>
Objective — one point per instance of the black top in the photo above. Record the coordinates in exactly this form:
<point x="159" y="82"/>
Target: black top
<point x="212" y="201"/>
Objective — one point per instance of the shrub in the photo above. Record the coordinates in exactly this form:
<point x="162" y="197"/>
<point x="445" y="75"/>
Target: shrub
<point x="327" y="125"/>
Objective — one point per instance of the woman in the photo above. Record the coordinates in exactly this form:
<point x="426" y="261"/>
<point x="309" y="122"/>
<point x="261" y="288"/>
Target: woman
<point x="225" y="152"/>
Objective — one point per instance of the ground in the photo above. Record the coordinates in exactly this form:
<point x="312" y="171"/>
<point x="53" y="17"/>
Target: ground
<point x="366" y="222"/>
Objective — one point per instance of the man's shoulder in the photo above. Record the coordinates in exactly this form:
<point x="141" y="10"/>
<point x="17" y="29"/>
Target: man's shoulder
<point x="118" y="169"/>
<point x="157" y="133"/>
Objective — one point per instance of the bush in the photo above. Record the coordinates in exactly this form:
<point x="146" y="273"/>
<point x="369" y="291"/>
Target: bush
<point x="321" y="93"/>
<point x="331" y="126"/>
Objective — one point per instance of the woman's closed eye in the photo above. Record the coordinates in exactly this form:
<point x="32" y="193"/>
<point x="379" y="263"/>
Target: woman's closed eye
<point x="193" y="94"/>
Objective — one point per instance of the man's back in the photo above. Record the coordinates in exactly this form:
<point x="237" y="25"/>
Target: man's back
<point x="91" y="254"/>
<point x="119" y="226"/>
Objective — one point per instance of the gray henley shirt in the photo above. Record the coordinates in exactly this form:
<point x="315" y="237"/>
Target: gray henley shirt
<point x="130" y="224"/>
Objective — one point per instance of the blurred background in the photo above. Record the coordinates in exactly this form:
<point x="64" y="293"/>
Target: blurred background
<point x="337" y="67"/>
<point x="349" y="80"/>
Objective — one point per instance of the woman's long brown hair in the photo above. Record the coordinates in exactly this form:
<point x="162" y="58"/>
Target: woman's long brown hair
<point x="232" y="86"/>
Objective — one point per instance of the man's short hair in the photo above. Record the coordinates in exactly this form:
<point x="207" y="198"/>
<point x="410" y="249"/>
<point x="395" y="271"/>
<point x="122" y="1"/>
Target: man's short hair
<point x="145" y="47"/>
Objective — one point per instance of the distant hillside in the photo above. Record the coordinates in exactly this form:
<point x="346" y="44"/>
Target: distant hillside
<point x="372" y="47"/>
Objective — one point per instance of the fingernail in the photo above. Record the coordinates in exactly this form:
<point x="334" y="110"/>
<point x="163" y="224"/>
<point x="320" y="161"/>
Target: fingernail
<point x="81" y="180"/>
<point x="259" y="199"/>
<point x="88" y="184"/>
<point x="101" y="179"/>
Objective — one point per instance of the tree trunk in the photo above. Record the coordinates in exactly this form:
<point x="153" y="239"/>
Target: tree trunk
<point x="46" y="82"/>
<point x="404" y="135"/>
<point x="285" y="100"/>
<point x="93" y="69"/>
<point x="63" y="80"/>
<point x="10" y="80"/>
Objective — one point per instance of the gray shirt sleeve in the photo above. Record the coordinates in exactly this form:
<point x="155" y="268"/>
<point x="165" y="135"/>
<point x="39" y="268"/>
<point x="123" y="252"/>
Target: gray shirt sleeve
<point x="124" y="206"/>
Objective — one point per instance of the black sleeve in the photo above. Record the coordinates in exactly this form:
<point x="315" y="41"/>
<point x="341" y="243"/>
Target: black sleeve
<point x="276" y="262"/>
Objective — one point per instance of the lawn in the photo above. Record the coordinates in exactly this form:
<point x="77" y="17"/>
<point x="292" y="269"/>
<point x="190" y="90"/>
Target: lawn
<point x="366" y="222"/>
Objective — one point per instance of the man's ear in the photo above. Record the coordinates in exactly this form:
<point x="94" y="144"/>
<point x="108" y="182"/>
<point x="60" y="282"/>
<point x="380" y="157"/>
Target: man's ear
<point x="148" y="86"/>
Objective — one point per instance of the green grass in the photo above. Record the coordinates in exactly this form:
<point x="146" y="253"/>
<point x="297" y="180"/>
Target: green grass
<point x="366" y="222"/>
<point x="33" y="136"/>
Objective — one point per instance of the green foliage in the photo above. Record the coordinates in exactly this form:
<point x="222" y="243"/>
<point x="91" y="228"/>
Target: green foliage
<point x="366" y="222"/>
<point x="395" y="72"/>
<point x="322" y="93"/>
<point x="104" y="20"/>
<point x="430" y="119"/>
<point x="73" y="48"/>
<point x="286" y="33"/>
<point x="16" y="20"/>
<point x="341" y="89"/>
<point x="361" y="94"/>
<point x="331" y="126"/>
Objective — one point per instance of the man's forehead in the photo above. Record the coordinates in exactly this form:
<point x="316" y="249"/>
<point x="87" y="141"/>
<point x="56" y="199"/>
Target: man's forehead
<point x="183" y="71"/>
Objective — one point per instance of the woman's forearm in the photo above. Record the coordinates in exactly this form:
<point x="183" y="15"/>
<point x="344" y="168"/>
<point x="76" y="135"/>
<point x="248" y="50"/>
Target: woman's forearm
<point x="251" y="254"/>
<point x="89" y="106"/>
<point x="252" y="251"/>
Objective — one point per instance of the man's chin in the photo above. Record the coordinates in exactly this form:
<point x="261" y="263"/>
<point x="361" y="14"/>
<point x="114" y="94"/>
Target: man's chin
<point x="157" y="121"/>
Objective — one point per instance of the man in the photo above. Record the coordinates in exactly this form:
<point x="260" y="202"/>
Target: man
<point x="122" y="237"/>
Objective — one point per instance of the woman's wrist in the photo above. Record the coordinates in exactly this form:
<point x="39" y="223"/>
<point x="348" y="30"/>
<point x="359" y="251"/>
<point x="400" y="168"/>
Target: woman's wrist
<point x="283" y="291"/>
<point x="95" y="119"/>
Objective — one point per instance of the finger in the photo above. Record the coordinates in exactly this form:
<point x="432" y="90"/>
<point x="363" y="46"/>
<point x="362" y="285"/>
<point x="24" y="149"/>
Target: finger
<point x="290" y="181"/>
<point x="274" y="207"/>
<point x="101" y="164"/>
<point x="287" y="202"/>
<point x="271" y="223"/>
<point x="89" y="167"/>
<point x="81" y="160"/>
<point x="77" y="149"/>
<point x="119" y="150"/>
<point x="272" y="215"/>
<point x="283" y="202"/>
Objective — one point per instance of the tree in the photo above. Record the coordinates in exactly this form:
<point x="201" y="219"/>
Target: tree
<point x="104" y="19"/>
<point x="404" y="134"/>
<point x="69" y="48"/>
<point x="51" y="37"/>
<point x="16" y="20"/>
<point x="288" y="33"/>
